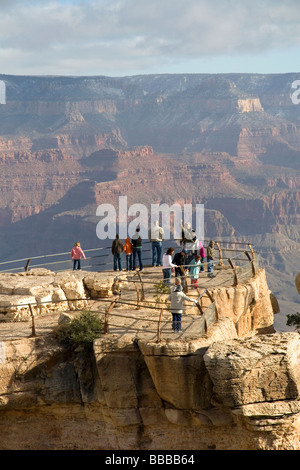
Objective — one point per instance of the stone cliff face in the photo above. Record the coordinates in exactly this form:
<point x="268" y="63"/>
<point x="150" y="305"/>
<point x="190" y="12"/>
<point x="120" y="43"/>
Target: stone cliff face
<point x="232" y="388"/>
<point x="141" y="396"/>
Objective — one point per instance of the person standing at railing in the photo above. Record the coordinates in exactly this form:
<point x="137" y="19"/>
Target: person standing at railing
<point x="177" y="298"/>
<point x="180" y="259"/>
<point x="76" y="255"/>
<point x="117" y="250"/>
<point x="189" y="238"/>
<point x="194" y="269"/>
<point x="128" y="248"/>
<point x="168" y="266"/>
<point x="210" y="258"/>
<point x="136" y="241"/>
<point x="202" y="255"/>
<point x="156" y="236"/>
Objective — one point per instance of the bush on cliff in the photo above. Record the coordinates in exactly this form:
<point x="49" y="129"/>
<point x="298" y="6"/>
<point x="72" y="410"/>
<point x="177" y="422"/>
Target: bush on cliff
<point x="294" y="320"/>
<point x="81" y="330"/>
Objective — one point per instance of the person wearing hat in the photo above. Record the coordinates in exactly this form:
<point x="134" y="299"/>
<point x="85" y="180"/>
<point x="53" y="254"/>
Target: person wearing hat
<point x="177" y="298"/>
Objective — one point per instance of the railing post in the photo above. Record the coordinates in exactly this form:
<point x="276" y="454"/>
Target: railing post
<point x="142" y="286"/>
<point x="252" y="261"/>
<point x="137" y="294"/>
<point x="105" y="329"/>
<point x="251" y="249"/>
<point x="197" y="304"/>
<point x="220" y="254"/>
<point x="205" y="325"/>
<point x="33" y="332"/>
<point x="159" y="325"/>
<point x="186" y="288"/>
<point x="27" y="264"/>
<point x="213" y="301"/>
<point x="234" y="272"/>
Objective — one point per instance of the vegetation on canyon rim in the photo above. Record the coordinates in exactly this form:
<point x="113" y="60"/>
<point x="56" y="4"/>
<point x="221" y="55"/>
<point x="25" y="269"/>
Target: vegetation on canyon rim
<point x="293" y="319"/>
<point x="82" y="330"/>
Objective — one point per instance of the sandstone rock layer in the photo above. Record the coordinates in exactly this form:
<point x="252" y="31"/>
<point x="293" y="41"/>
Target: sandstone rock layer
<point x="230" y="389"/>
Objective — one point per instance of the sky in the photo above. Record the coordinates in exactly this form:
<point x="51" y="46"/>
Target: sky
<point x="132" y="37"/>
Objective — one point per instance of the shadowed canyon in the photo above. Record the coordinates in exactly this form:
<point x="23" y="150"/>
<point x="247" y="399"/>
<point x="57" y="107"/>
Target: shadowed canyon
<point x="230" y="142"/>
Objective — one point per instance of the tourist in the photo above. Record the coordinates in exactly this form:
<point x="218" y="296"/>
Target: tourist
<point x="180" y="259"/>
<point x="202" y="255"/>
<point x="194" y="269"/>
<point x="117" y="250"/>
<point x="128" y="248"/>
<point x="137" y="249"/>
<point x="76" y="255"/>
<point x="195" y="246"/>
<point x="168" y="266"/>
<point x="210" y="258"/>
<point x="156" y="236"/>
<point x="189" y="238"/>
<point x="177" y="297"/>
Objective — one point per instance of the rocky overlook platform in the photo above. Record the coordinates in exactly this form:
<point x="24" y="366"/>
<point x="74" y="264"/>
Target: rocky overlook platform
<point x="233" y="385"/>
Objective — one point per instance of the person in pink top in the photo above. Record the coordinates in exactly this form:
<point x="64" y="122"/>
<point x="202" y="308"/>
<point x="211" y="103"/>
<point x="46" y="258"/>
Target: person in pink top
<point x="76" y="255"/>
<point x="202" y="255"/>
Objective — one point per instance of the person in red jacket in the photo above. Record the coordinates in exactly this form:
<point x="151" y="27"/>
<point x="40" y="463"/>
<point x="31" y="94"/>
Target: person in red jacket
<point x="76" y="254"/>
<point x="128" y="249"/>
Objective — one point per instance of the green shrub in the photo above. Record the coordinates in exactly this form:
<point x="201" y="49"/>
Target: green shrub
<point x="81" y="330"/>
<point x="294" y="320"/>
<point x="161" y="290"/>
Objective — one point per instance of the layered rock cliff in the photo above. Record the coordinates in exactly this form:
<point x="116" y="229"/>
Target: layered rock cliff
<point x="229" y="141"/>
<point x="235" y="387"/>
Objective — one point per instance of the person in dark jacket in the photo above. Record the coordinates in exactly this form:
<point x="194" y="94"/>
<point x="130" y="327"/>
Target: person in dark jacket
<point x="137" y="249"/>
<point x="180" y="259"/>
<point x="210" y="255"/>
<point x="117" y="250"/>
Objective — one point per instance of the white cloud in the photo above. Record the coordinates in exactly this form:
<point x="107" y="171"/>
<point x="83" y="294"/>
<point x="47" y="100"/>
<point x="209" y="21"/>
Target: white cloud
<point x="116" y="37"/>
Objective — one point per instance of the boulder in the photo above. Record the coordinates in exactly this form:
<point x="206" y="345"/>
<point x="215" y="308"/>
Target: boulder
<point x="264" y="368"/>
<point x="16" y="307"/>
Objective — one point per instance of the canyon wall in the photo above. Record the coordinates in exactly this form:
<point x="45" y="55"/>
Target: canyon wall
<point x="236" y="387"/>
<point x="228" y="141"/>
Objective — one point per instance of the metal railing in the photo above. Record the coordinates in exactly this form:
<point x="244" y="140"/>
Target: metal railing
<point x="103" y="259"/>
<point x="208" y="314"/>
